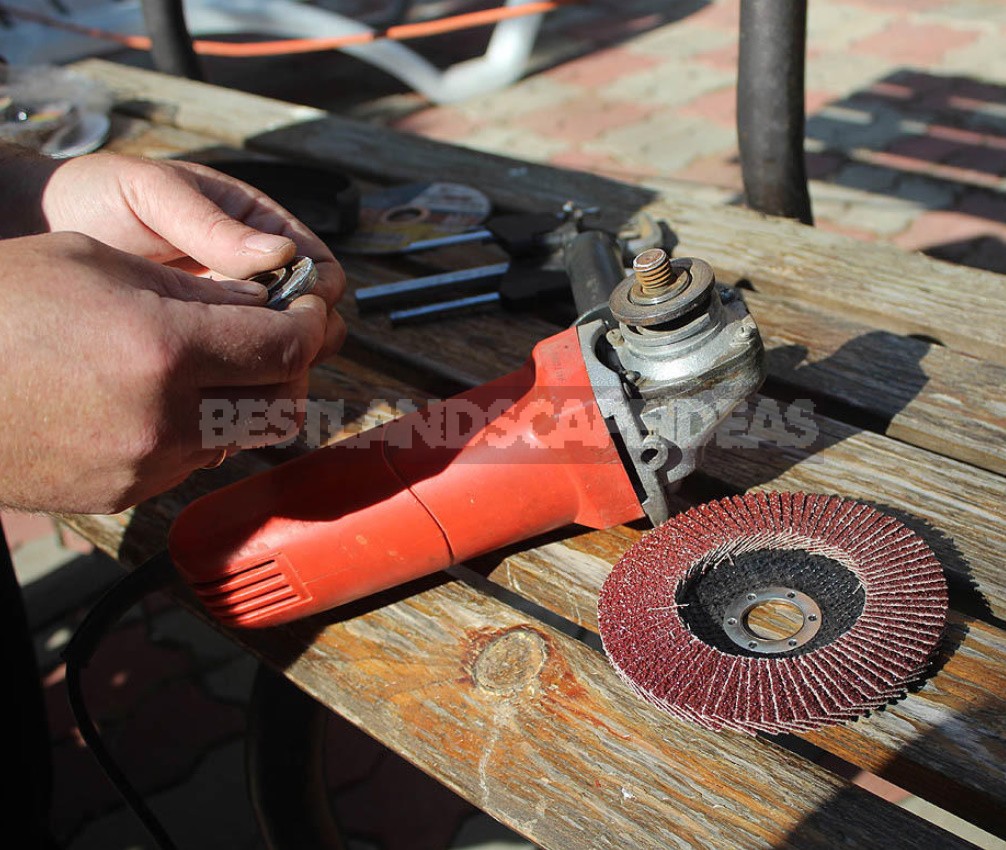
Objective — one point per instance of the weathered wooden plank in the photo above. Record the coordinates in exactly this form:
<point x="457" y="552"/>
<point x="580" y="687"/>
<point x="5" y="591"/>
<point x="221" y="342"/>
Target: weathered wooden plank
<point x="537" y="730"/>
<point x="923" y="394"/>
<point x="966" y="504"/>
<point x="918" y="392"/>
<point x="875" y="283"/>
<point x="943" y="743"/>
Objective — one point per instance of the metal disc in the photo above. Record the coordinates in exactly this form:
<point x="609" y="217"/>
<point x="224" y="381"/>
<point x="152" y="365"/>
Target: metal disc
<point x="871" y="637"/>
<point x="85" y="135"/>
<point x="394" y="218"/>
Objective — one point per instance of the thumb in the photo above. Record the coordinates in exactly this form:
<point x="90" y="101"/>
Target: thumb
<point x="181" y="214"/>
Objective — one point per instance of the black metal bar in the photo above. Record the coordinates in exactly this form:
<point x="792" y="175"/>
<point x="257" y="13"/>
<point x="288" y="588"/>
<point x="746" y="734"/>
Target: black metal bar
<point x="27" y="748"/>
<point x="284" y="745"/>
<point x="770" y="107"/>
<point x="172" y="45"/>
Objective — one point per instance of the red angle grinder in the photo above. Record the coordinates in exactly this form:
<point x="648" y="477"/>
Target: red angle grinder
<point x="597" y="428"/>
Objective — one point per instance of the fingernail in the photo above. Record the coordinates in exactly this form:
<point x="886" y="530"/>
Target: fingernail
<point x="244" y="287"/>
<point x="266" y="243"/>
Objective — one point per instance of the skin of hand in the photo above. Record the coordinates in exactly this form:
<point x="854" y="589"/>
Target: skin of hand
<point x="112" y="343"/>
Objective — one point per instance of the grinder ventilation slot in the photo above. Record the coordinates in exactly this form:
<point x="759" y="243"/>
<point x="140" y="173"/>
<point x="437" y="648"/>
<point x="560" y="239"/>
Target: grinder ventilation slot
<point x="774" y="612"/>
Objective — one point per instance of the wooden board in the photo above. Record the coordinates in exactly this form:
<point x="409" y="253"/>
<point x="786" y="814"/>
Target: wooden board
<point x="942" y="742"/>
<point x="878" y="284"/>
<point x="534" y="726"/>
<point x="924" y="394"/>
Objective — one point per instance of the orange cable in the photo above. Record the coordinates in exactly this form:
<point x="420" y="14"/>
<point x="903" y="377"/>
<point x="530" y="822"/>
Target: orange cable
<point x="402" y="32"/>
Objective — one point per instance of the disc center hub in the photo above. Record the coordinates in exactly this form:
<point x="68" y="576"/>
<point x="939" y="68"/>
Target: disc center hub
<point x="771" y="620"/>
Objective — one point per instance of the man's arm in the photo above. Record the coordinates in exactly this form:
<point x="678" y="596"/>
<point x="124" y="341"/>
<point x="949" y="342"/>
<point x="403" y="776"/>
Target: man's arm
<point x="23" y="176"/>
<point x="111" y="345"/>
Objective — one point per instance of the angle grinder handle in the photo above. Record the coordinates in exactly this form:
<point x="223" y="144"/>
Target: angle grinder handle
<point x="516" y="457"/>
<point x="593" y="262"/>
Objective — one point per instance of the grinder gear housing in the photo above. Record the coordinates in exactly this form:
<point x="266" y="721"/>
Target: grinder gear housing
<point x="599" y="425"/>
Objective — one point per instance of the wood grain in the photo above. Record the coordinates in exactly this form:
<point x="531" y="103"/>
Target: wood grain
<point x="918" y="392"/>
<point x="537" y="730"/>
<point x="539" y="706"/>
<point x="924" y="394"/>
<point x="942" y="742"/>
<point x="875" y="283"/>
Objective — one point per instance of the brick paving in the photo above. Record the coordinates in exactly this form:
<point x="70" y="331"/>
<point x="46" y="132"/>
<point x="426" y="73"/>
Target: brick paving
<point x="906" y="141"/>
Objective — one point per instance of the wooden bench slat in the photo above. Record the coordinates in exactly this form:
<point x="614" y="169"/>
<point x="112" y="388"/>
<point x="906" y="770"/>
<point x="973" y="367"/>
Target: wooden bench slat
<point x="930" y="396"/>
<point x="940" y="743"/>
<point x="924" y="394"/>
<point x="538" y="726"/>
<point x="874" y="283"/>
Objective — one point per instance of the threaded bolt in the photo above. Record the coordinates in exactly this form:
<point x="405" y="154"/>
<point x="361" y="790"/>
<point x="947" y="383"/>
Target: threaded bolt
<point x="654" y="271"/>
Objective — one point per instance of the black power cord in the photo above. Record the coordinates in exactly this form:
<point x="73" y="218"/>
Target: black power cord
<point x="158" y="573"/>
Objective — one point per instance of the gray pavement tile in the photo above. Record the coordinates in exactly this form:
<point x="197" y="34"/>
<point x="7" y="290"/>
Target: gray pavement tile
<point x="482" y="832"/>
<point x="209" y="811"/>
<point x="57" y="581"/>
<point x="232" y="681"/>
<point x="180" y="628"/>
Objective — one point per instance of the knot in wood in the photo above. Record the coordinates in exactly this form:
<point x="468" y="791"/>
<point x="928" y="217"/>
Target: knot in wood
<point x="511" y="661"/>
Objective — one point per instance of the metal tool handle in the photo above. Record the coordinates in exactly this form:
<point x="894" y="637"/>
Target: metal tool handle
<point x="593" y="261"/>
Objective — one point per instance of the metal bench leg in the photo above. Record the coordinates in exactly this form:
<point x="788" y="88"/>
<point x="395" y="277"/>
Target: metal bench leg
<point x="172" y="45"/>
<point x="285" y="765"/>
<point x="770" y="107"/>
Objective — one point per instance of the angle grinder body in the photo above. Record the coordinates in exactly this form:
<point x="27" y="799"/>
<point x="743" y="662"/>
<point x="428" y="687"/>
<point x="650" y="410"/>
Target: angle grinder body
<point x="596" y="429"/>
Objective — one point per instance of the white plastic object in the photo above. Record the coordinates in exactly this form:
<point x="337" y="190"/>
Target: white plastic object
<point x="503" y="62"/>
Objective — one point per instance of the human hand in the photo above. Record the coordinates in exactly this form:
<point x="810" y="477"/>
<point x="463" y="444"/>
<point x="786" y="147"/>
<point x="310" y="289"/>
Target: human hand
<point x="184" y="214"/>
<point x="109" y="357"/>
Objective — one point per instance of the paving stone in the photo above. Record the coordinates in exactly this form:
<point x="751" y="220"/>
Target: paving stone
<point x="178" y="628"/>
<point x="81" y="792"/>
<point x="924" y="191"/>
<point x="124" y="670"/>
<point x="481" y="832"/>
<point x="844" y="126"/>
<point x="944" y="226"/>
<point x="665" y="147"/>
<point x="681" y="41"/>
<point x="420" y="814"/>
<point x="231" y="682"/>
<point x="209" y="811"/>
<point x="164" y="738"/>
<point x="718" y="107"/>
<point x="834" y="72"/>
<point x="907" y="43"/>
<point x="719" y="14"/>
<point x="832" y="26"/>
<point x="441" y="122"/>
<point x="56" y="581"/>
<point x="20" y="528"/>
<point x="856" y="209"/>
<point x="351" y="755"/>
<point x="869" y="178"/>
<point x="527" y="96"/>
<point x="511" y="141"/>
<point x="583" y="118"/>
<point x="601" y="67"/>
<point x="580" y="160"/>
<point x="676" y="83"/>
<point x="716" y="170"/>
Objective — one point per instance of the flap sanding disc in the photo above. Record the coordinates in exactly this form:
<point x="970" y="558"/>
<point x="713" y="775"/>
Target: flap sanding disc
<point x="774" y="612"/>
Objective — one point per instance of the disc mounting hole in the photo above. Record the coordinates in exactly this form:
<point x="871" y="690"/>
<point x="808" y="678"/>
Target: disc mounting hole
<point x="403" y="214"/>
<point x="774" y="619"/>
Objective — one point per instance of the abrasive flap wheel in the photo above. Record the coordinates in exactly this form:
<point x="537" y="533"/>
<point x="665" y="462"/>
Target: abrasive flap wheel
<point x="774" y="612"/>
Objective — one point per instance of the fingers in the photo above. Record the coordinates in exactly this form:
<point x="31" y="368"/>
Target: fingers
<point x="233" y="418"/>
<point x="242" y="231"/>
<point x="230" y="345"/>
<point x="173" y="203"/>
